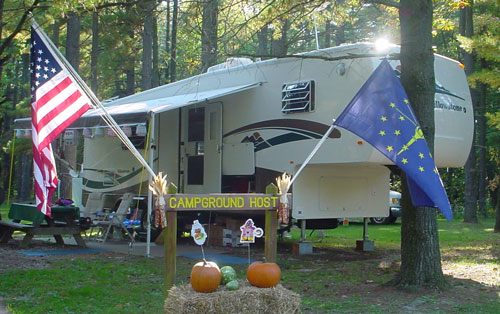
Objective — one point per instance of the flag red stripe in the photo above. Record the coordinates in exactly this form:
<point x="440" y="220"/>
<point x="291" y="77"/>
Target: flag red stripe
<point x="59" y="109"/>
<point x="55" y="132"/>
<point x="53" y="92"/>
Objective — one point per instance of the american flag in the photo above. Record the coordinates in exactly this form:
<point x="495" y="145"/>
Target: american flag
<point x="381" y="114"/>
<point x="56" y="102"/>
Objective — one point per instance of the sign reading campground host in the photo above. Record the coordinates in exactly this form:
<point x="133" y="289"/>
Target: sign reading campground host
<point x="222" y="202"/>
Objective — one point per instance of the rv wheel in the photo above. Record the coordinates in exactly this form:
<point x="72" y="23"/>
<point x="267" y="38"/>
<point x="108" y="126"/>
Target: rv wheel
<point x="383" y="220"/>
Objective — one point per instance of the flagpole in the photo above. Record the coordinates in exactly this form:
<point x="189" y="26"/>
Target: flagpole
<point x="110" y="121"/>
<point x="313" y="152"/>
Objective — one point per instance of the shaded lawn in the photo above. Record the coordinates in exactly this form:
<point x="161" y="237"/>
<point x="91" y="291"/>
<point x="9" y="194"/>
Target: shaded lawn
<point x="335" y="279"/>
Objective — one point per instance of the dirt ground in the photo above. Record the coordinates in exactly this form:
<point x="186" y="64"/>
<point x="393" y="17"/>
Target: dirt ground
<point x="471" y="285"/>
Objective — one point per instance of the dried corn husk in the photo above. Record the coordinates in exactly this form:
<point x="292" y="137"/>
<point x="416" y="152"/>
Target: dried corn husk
<point x="283" y="186"/>
<point x="158" y="187"/>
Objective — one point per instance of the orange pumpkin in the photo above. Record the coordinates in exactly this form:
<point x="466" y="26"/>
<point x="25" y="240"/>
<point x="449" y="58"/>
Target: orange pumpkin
<point x="263" y="275"/>
<point x="205" y="276"/>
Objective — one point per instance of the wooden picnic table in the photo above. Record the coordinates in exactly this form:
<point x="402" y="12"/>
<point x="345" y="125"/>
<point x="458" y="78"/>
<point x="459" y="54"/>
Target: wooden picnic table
<point x="64" y="221"/>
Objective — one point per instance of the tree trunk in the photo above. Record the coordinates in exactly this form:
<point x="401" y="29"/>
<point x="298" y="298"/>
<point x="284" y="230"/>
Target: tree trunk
<point x="497" y="220"/>
<point x="263" y="40"/>
<point x="56" y="28"/>
<point x="155" y="80"/>
<point x="167" y="38"/>
<point x="2" y="3"/>
<point x="470" y="207"/>
<point x="328" y="33"/>
<point x="25" y="91"/>
<point x="130" y="63"/>
<point x="173" y="52"/>
<point x="481" y="141"/>
<point x="279" y="46"/>
<point x="209" y="34"/>
<point x="420" y="254"/>
<point x="340" y="35"/>
<point x="73" y="57"/>
<point x="73" y="40"/>
<point x="25" y="179"/>
<point x="147" y="45"/>
<point x="94" y="54"/>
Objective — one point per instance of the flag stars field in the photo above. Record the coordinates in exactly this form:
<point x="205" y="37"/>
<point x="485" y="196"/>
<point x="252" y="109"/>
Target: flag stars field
<point x="381" y="114"/>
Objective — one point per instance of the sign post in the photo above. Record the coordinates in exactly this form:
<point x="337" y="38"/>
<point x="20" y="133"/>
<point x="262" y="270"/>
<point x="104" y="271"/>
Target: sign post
<point x="268" y="202"/>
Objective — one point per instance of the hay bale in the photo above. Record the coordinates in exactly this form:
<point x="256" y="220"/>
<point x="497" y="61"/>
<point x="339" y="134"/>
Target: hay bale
<point x="247" y="299"/>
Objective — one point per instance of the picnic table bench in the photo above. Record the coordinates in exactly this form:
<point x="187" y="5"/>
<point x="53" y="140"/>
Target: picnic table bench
<point x="63" y="222"/>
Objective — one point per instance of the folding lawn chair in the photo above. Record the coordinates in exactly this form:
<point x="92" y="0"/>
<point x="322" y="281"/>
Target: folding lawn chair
<point x="93" y="207"/>
<point x="115" y="219"/>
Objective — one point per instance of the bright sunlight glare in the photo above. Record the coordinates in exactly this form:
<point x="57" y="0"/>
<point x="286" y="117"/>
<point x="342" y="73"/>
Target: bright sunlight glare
<point x="382" y="44"/>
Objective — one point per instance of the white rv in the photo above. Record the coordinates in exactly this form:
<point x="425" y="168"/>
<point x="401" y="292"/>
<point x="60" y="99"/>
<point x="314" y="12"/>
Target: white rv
<point x="240" y="125"/>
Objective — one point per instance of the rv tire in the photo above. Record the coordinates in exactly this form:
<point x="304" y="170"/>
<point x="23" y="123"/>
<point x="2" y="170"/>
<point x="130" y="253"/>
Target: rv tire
<point x="383" y="220"/>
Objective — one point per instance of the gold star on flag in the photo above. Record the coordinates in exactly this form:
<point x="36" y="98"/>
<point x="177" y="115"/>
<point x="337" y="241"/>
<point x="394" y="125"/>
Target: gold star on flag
<point x="436" y="171"/>
<point x="393" y="105"/>
<point x="404" y="160"/>
<point x="383" y="118"/>
<point x="397" y="132"/>
<point x="405" y="147"/>
<point x="382" y="132"/>
<point x="406" y="101"/>
<point x="421" y="156"/>
<point x="389" y="148"/>
<point x="421" y="169"/>
<point x="401" y="118"/>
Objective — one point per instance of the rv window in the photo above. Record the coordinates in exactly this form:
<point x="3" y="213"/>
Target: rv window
<point x="196" y="123"/>
<point x="137" y="141"/>
<point x="297" y="97"/>
<point x="195" y="170"/>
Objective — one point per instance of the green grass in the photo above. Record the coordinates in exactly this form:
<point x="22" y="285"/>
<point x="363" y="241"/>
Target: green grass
<point x="339" y="281"/>
<point x="451" y="234"/>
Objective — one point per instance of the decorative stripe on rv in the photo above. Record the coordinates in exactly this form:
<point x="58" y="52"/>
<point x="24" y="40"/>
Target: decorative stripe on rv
<point x="117" y="181"/>
<point x="298" y="130"/>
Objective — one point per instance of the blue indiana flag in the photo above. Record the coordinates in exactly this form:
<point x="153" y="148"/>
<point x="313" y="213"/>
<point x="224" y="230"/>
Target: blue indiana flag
<point x="381" y="114"/>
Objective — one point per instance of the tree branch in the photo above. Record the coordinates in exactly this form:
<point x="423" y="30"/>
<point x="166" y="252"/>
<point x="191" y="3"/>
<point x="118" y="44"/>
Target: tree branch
<point x="18" y="28"/>
<point x="389" y="3"/>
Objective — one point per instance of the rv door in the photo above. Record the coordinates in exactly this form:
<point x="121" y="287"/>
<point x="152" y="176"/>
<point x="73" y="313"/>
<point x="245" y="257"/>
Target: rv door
<point x="202" y="137"/>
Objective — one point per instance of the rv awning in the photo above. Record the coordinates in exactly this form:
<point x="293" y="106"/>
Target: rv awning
<point x="139" y="112"/>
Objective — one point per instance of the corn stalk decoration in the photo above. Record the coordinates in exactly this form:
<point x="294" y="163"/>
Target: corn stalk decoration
<point x="159" y="188"/>
<point x="283" y="183"/>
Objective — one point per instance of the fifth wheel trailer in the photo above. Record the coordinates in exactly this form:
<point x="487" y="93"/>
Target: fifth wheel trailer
<point x="240" y="125"/>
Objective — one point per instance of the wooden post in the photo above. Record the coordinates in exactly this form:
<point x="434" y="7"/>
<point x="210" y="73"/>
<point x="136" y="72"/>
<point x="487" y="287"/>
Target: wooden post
<point x="170" y="243"/>
<point x="271" y="228"/>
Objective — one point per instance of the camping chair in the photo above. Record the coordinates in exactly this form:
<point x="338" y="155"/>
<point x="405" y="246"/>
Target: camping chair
<point x="93" y="207"/>
<point x="115" y="219"/>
